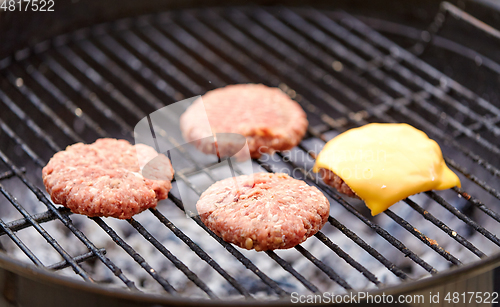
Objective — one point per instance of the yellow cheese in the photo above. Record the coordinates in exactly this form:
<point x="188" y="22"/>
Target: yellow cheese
<point x="385" y="163"/>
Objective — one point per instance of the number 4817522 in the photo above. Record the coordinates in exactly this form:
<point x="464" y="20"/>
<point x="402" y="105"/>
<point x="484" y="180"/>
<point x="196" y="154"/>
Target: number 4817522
<point x="471" y="297"/>
<point x="27" y="5"/>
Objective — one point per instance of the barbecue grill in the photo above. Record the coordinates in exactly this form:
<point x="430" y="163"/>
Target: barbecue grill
<point x="101" y="68"/>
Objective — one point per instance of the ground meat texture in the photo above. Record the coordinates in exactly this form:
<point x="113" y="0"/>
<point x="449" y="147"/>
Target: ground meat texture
<point x="331" y="179"/>
<point x="266" y="116"/>
<point x="104" y="178"/>
<point x="263" y="211"/>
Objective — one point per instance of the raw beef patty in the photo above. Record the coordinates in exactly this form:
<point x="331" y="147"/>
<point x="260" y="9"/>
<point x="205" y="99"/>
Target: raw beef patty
<point x="104" y="178"/>
<point x="266" y="116"/>
<point x="265" y="211"/>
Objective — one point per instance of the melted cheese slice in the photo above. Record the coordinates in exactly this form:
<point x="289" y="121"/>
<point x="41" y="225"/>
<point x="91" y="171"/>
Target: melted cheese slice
<point x="385" y="163"/>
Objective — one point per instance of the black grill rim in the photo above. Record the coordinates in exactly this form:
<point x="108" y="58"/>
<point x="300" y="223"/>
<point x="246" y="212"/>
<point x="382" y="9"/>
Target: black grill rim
<point x="465" y="270"/>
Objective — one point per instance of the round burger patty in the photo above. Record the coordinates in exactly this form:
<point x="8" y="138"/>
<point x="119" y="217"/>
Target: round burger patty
<point x="333" y="180"/>
<point x="263" y="211"/>
<point x="266" y="116"/>
<point x="104" y="178"/>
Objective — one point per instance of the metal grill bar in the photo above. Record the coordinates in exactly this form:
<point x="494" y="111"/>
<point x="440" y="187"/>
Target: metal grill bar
<point x="166" y="67"/>
<point x="67" y="257"/>
<point x="380" y="41"/>
<point x="98" y="80"/>
<point x="478" y="204"/>
<point x="85" y="92"/>
<point x="155" y="37"/>
<point x="65" y="101"/>
<point x="78" y="259"/>
<point x="288" y="267"/>
<point x="351" y="235"/>
<point x="334" y="247"/>
<point x="454" y="123"/>
<point x="181" y="266"/>
<point x="138" y="258"/>
<point x="463" y="217"/>
<point x="445" y="228"/>
<point x="209" y="38"/>
<point x="323" y="267"/>
<point x="427" y="241"/>
<point x="328" y="270"/>
<point x="30" y="123"/>
<point x="201" y="253"/>
<point x="206" y="54"/>
<point x="455" y="11"/>
<point x="18" y="141"/>
<point x="214" y="41"/>
<point x="274" y="44"/>
<point x="19" y="242"/>
<point x="43" y="108"/>
<point x="242" y="42"/>
<point x="121" y="74"/>
<point x="6" y="175"/>
<point x="39" y="218"/>
<point x="474" y="179"/>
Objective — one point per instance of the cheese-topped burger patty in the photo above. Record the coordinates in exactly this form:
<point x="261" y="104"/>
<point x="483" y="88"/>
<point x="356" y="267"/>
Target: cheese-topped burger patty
<point x="266" y="116"/>
<point x="263" y="211"/>
<point x="383" y="164"/>
<point x="104" y="178"/>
